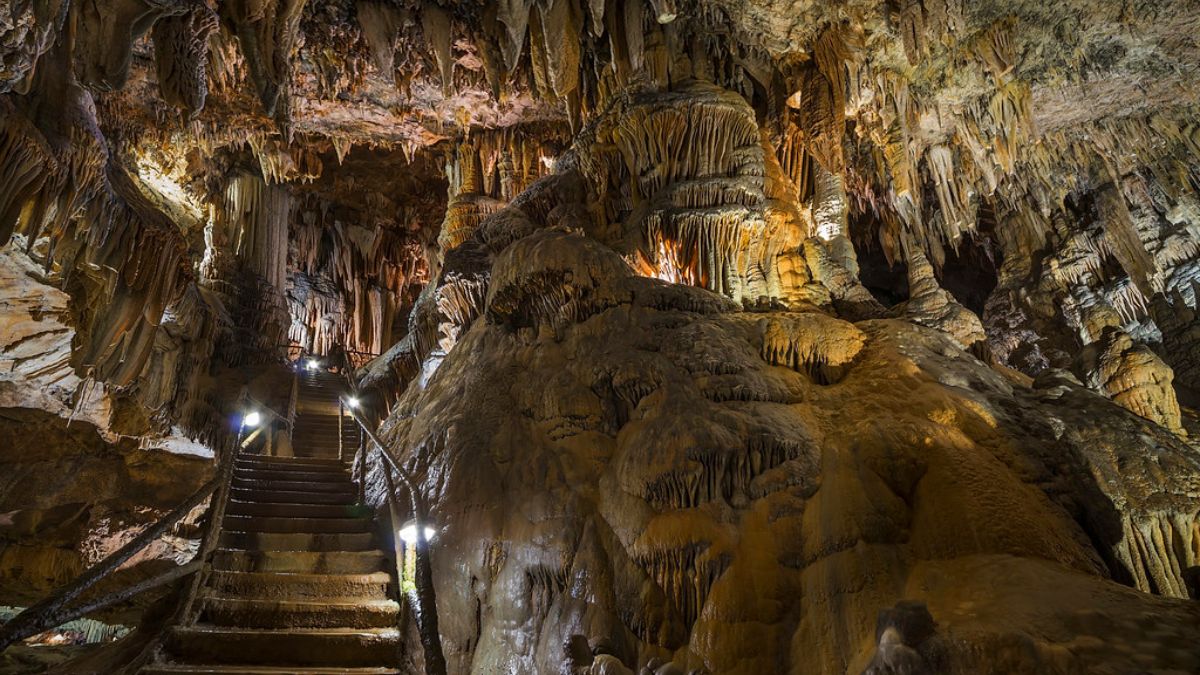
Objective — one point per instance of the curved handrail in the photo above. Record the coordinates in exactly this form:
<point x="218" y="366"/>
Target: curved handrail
<point x="49" y="612"/>
<point x="427" y="619"/>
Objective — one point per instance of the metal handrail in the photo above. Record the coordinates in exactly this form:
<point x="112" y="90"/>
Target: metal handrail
<point x="293" y="399"/>
<point x="426" y="609"/>
<point x="271" y="411"/>
<point x="54" y="611"/>
<point x="212" y="533"/>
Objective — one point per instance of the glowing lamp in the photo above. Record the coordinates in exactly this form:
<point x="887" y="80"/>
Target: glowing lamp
<point x="352" y="402"/>
<point x="408" y="533"/>
<point x="312" y="364"/>
<point x="252" y="419"/>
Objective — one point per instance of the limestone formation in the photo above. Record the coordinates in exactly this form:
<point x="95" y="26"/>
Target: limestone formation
<point x="601" y="336"/>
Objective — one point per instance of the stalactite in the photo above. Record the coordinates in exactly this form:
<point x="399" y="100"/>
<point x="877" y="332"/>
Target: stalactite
<point x="686" y="574"/>
<point x="346" y="283"/>
<point x="691" y="177"/>
<point x="181" y="57"/>
<point x="380" y="22"/>
<point x="27" y="164"/>
<point x="561" y="25"/>
<point x="266" y="31"/>
<point x="912" y="29"/>
<point x="435" y="24"/>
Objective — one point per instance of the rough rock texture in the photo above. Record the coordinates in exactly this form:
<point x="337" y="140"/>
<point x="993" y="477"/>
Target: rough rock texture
<point x="742" y="493"/>
<point x="723" y="336"/>
<point x="70" y="498"/>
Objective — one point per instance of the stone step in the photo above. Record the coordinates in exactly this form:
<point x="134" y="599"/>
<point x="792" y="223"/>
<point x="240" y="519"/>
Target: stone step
<point x="296" y="541"/>
<point x="296" y="524"/>
<point x="271" y="462"/>
<point x="332" y="475"/>
<point x="281" y="510"/>
<point x="217" y="669"/>
<point x="262" y="495"/>
<point x="292" y="486"/>
<point x="330" y="612"/>
<point x="325" y="467"/>
<point x="301" y="562"/>
<point x="297" y="586"/>
<point x="295" y="647"/>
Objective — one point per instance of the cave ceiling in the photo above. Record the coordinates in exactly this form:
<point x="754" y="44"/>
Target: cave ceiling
<point x="735" y="314"/>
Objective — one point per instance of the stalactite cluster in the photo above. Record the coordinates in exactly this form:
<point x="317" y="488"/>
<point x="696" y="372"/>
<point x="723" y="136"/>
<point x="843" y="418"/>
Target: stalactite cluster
<point x="729" y="336"/>
<point x="350" y="283"/>
<point x="245" y="264"/>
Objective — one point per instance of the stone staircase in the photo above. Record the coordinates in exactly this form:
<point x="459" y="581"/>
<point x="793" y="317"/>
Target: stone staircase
<point x="317" y="429"/>
<point x="297" y="583"/>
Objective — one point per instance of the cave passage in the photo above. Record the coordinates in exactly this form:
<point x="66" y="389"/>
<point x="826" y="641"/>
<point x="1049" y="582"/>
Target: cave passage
<point x="621" y="337"/>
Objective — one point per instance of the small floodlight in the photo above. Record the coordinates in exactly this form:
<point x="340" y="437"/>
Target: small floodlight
<point x="408" y="533"/>
<point x="312" y="364"/>
<point x="352" y="402"/>
<point x="252" y="419"/>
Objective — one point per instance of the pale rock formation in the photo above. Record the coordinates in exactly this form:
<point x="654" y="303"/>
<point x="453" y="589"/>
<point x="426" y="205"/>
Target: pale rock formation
<point x="846" y="292"/>
<point x="1133" y="376"/>
<point x="703" y="496"/>
<point x="931" y="305"/>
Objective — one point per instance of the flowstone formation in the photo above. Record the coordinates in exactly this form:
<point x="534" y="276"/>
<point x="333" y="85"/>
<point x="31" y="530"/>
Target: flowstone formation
<point x="726" y="491"/>
<point x="631" y="475"/>
<point x="727" y="336"/>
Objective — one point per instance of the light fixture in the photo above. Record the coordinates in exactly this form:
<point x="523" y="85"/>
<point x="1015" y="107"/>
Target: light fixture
<point x="352" y="401"/>
<point x="408" y="533"/>
<point x="251" y="419"/>
<point x="312" y="364"/>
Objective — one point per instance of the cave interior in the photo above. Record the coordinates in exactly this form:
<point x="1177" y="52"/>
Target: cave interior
<point x="600" y="337"/>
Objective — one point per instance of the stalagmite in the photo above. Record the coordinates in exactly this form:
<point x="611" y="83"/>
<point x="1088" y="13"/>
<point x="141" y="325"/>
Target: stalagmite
<point x="930" y="305"/>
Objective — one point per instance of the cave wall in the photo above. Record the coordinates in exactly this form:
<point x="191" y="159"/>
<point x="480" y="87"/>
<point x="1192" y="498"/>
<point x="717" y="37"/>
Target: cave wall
<point x="613" y="256"/>
<point x="628" y="473"/>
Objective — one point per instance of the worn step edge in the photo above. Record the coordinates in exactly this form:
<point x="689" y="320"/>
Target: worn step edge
<point x="286" y="461"/>
<point x="297" y="541"/>
<point x="235" y="669"/>
<point x="263" y="496"/>
<point x="300" y="562"/>
<point x="295" y="647"/>
<point x="292" y="614"/>
<point x="300" y="585"/>
<point x="286" y="510"/>
<point x="296" y="524"/>
<point x="255" y="468"/>
<point x="292" y="486"/>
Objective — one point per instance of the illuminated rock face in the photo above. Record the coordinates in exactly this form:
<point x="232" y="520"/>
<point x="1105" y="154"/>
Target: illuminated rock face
<point x="615" y="464"/>
<point x="686" y="174"/>
<point x="729" y="336"/>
